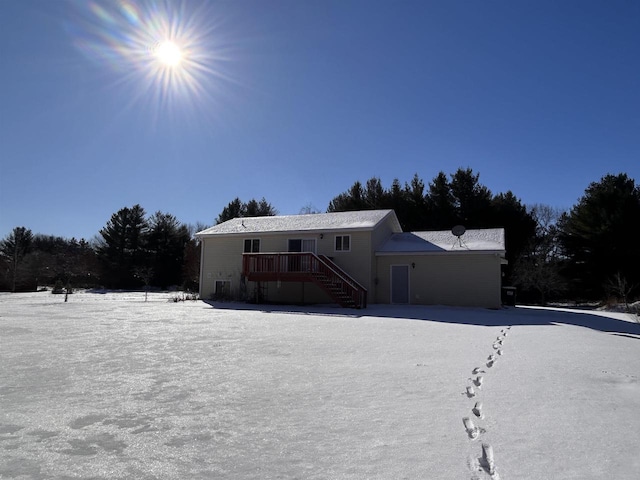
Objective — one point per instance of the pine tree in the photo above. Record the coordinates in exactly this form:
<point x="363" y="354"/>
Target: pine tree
<point x="600" y="234"/>
<point x="441" y="211"/>
<point x="122" y="247"/>
<point x="165" y="243"/>
<point x="234" y="209"/>
<point x="374" y="194"/>
<point x="507" y="211"/>
<point x="14" y="247"/>
<point x="349" y="201"/>
<point x="416" y="218"/>
<point x="472" y="199"/>
<point x="237" y="209"/>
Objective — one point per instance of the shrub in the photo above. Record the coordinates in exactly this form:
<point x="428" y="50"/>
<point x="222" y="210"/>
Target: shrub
<point x="58" y="288"/>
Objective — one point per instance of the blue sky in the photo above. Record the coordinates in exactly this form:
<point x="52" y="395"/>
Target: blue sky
<point x="295" y="100"/>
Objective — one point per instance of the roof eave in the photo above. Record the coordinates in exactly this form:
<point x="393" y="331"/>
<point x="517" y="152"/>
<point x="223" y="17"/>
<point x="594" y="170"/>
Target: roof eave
<point x="316" y="231"/>
<point x="443" y="252"/>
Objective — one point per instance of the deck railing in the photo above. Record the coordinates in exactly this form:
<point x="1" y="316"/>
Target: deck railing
<point x="305" y="266"/>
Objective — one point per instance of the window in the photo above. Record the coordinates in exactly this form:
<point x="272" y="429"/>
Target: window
<point x="300" y="263"/>
<point x="223" y="289"/>
<point x="302" y="245"/>
<point x="252" y="245"/>
<point x="343" y="243"/>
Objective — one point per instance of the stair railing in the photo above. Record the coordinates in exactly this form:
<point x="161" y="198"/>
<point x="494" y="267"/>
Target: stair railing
<point x="296" y="266"/>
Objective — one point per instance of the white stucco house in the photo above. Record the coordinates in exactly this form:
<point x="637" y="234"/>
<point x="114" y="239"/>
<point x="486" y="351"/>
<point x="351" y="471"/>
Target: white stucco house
<point x="349" y="258"/>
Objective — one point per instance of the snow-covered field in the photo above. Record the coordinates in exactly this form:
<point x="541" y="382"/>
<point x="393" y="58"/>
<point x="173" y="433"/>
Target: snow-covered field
<point x="107" y="386"/>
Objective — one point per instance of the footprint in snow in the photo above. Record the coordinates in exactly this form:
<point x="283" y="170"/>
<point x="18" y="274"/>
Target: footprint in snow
<point x="474" y="466"/>
<point x="470" y="392"/>
<point x="490" y="363"/>
<point x="477" y="370"/>
<point x="499" y="352"/>
<point x="477" y="410"/>
<point x="471" y="429"/>
<point x="478" y="381"/>
<point x="487" y="461"/>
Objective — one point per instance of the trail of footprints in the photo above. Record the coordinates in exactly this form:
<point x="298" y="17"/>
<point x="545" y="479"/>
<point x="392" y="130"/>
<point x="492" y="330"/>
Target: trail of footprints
<point x="486" y="460"/>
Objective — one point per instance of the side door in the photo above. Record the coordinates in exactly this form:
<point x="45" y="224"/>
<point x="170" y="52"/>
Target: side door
<point x="399" y="283"/>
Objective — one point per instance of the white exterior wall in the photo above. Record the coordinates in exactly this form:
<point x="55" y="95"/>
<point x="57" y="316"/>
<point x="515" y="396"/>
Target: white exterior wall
<point x="378" y="237"/>
<point x="445" y="279"/>
<point x="355" y="262"/>
<point x="222" y="260"/>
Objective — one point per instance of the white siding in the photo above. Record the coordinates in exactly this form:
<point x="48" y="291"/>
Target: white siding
<point x="447" y="279"/>
<point x="379" y="236"/>
<point x="222" y="260"/>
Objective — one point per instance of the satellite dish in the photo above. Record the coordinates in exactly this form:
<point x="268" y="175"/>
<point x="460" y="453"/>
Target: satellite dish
<point x="458" y="230"/>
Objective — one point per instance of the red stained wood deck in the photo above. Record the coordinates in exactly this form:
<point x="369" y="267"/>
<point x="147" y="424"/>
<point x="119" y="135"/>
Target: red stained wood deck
<point x="305" y="267"/>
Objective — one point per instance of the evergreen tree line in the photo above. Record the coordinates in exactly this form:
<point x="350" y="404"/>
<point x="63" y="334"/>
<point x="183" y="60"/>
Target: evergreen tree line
<point x="131" y="251"/>
<point x="157" y="250"/>
<point x="28" y="260"/>
<point x="587" y="253"/>
<point x="443" y="203"/>
<point x="590" y="252"/>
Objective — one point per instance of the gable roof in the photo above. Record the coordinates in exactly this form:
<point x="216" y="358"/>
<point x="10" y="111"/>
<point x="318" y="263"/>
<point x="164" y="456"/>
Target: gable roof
<point x="362" y="220"/>
<point x="488" y="240"/>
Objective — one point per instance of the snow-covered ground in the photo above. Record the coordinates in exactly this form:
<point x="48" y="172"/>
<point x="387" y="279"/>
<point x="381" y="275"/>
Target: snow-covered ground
<point x="107" y="386"/>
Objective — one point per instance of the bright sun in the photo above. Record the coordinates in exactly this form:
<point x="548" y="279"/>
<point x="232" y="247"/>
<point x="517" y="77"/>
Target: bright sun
<point x="169" y="54"/>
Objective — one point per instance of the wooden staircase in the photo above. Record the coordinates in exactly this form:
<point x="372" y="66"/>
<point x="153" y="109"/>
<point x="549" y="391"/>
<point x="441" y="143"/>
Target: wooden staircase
<point x="305" y="267"/>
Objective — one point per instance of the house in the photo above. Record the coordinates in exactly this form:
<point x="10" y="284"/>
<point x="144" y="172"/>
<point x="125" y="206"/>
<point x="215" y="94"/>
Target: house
<point x="349" y="258"/>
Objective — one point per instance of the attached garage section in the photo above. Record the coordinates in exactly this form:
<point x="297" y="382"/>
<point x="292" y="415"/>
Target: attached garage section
<point x="463" y="279"/>
<point x="441" y="268"/>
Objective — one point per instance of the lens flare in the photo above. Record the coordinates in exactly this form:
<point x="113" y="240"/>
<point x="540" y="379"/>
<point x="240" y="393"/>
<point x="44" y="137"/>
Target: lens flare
<point x="169" y="53"/>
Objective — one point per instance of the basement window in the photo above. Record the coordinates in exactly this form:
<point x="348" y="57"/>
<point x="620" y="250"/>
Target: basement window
<point x="343" y="243"/>
<point x="223" y="289"/>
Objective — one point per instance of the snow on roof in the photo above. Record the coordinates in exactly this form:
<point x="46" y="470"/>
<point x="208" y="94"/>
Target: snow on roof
<point x="483" y="240"/>
<point x="360" y="220"/>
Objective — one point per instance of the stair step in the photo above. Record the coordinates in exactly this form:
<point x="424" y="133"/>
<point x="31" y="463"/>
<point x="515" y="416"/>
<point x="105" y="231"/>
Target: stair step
<point x="340" y="291"/>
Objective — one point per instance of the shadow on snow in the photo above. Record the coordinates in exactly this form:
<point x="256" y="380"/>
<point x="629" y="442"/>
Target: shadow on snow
<point x="519" y="315"/>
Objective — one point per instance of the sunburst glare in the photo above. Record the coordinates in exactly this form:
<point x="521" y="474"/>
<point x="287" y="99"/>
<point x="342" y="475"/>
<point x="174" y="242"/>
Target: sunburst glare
<point x="169" y="54"/>
<point x="167" y="51"/>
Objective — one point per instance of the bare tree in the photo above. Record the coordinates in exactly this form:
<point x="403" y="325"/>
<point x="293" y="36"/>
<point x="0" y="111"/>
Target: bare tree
<point x="538" y="268"/>
<point x="618" y="286"/>
<point x="309" y="209"/>
<point x="145" y="274"/>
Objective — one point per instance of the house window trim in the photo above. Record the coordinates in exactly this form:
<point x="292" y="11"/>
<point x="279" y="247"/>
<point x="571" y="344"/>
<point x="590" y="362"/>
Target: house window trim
<point x="335" y="241"/>
<point x="302" y="239"/>
<point x="251" y="240"/>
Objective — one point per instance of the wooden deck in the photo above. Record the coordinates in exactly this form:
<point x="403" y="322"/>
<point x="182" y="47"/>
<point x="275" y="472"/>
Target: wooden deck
<point x="305" y="267"/>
